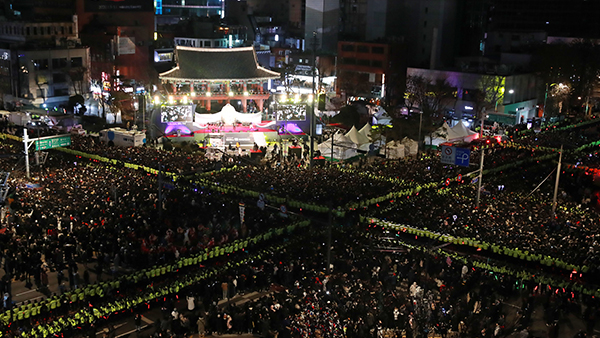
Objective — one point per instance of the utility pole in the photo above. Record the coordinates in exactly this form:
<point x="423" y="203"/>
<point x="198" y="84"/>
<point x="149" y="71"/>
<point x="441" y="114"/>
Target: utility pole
<point x="26" y="143"/>
<point x="332" y="135"/>
<point x="420" y="126"/>
<point x="558" y="169"/>
<point x="312" y="108"/>
<point x="480" y="176"/>
<point x="160" y="187"/>
<point x="329" y="226"/>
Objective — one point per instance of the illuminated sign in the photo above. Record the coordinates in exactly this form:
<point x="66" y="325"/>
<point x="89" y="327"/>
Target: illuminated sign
<point x="119" y="5"/>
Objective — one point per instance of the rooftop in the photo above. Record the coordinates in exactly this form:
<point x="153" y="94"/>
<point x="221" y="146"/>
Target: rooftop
<point x="217" y="64"/>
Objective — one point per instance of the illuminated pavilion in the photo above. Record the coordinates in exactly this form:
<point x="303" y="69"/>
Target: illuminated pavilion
<point x="203" y="75"/>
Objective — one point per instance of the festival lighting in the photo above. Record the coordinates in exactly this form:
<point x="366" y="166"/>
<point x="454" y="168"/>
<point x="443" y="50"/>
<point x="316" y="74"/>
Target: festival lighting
<point x="310" y="97"/>
<point x="185" y="100"/>
<point x="283" y="97"/>
<point x="208" y="94"/>
<point x="192" y="94"/>
<point x="171" y="99"/>
<point x="156" y="100"/>
<point x="297" y="98"/>
<point x="230" y="93"/>
<point x="246" y="93"/>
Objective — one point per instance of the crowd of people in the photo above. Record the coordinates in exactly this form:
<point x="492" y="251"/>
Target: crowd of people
<point x="372" y="292"/>
<point x="82" y="212"/>
<point x="172" y="161"/>
<point x="85" y="213"/>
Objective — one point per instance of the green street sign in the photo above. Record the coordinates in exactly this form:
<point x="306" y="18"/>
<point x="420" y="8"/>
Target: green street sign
<point x="49" y="143"/>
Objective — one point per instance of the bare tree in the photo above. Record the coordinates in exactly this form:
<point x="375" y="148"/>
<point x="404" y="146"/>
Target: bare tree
<point x="41" y="80"/>
<point x="431" y="98"/>
<point x="78" y="77"/>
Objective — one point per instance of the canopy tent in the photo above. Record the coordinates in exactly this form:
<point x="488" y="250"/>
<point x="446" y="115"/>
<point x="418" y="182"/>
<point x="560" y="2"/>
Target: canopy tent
<point x="228" y="115"/>
<point x="366" y="131"/>
<point x="465" y="134"/>
<point x="356" y="137"/>
<point x="394" y="150"/>
<point x="411" y="147"/>
<point x="441" y="135"/>
<point x="343" y="147"/>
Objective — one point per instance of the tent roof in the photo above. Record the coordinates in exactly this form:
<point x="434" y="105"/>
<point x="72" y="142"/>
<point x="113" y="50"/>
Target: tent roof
<point x="366" y="131"/>
<point x="217" y="64"/>
<point x="445" y="129"/>
<point x="461" y="130"/>
<point x="356" y="137"/>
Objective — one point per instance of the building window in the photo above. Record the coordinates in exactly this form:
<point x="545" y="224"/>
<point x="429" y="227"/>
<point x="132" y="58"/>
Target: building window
<point x="61" y="91"/>
<point x="363" y="49"/>
<point x="40" y="64"/>
<point x="377" y="50"/>
<point x="59" y="78"/>
<point x="77" y="62"/>
<point x="426" y="10"/>
<point x="59" y="63"/>
<point x="377" y="63"/>
<point x="362" y="62"/>
<point x="34" y="30"/>
<point x="349" y="61"/>
<point x="348" y="48"/>
<point x="70" y="29"/>
<point x="28" y="31"/>
<point x="62" y="30"/>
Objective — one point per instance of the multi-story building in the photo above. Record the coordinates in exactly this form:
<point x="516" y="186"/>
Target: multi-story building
<point x="518" y="93"/>
<point x="190" y="8"/>
<point x="373" y="71"/>
<point x="47" y="77"/>
<point x="321" y="25"/>
<point x="120" y="36"/>
<point x="44" y="62"/>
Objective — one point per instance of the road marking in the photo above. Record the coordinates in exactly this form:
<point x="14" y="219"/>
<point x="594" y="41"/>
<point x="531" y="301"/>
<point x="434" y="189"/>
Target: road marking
<point x="114" y="327"/>
<point x="26" y="292"/>
<point x="130" y="332"/>
<point x="146" y="320"/>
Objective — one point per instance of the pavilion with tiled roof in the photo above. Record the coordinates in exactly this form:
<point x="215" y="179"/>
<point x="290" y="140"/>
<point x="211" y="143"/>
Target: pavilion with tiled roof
<point x="220" y="74"/>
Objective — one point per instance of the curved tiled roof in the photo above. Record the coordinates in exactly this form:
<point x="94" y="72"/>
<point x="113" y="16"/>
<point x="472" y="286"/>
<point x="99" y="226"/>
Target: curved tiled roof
<point x="217" y="64"/>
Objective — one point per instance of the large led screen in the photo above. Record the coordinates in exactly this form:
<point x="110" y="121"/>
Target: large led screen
<point x="291" y="112"/>
<point x="177" y="114"/>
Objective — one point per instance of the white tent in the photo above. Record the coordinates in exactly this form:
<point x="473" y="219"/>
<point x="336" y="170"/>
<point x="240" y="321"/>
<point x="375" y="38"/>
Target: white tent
<point x="366" y="131"/>
<point x="227" y="115"/>
<point x="464" y="133"/>
<point x="441" y="135"/>
<point x="394" y="150"/>
<point x="343" y="147"/>
<point x="411" y="147"/>
<point x="356" y="137"/>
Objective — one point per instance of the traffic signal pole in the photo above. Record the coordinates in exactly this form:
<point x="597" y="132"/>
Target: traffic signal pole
<point x="480" y="176"/>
